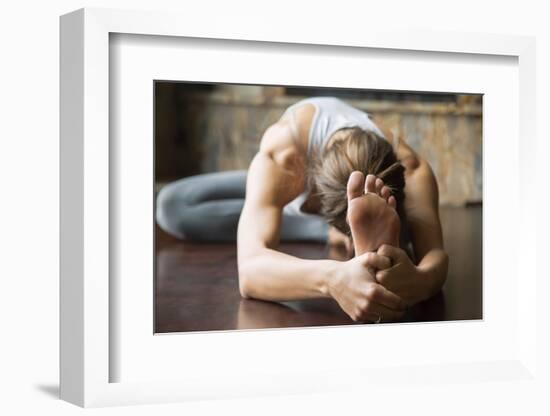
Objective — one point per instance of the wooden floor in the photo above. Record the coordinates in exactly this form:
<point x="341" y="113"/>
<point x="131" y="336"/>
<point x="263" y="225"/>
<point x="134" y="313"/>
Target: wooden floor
<point x="197" y="288"/>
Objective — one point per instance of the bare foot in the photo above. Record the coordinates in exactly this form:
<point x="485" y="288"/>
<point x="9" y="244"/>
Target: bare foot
<point x="371" y="216"/>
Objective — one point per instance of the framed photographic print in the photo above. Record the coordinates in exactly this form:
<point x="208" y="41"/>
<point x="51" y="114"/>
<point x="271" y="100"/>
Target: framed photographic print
<point x="217" y="204"/>
<point x="207" y="134"/>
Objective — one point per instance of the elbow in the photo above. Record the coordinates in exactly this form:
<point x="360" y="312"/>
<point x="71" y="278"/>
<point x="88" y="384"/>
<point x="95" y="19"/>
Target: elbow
<point x="244" y="289"/>
<point x="445" y="264"/>
<point x="437" y="273"/>
<point x="249" y="267"/>
<point x="245" y="282"/>
<point x="444" y="268"/>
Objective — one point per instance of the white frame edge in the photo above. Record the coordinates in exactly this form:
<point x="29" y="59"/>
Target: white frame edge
<point x="84" y="154"/>
<point x="71" y="346"/>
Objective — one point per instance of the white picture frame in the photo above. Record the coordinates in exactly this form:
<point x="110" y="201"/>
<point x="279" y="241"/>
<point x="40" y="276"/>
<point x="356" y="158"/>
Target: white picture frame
<point x="86" y="356"/>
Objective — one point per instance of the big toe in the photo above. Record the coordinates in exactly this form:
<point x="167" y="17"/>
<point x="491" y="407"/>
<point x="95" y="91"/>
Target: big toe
<point x="356" y="184"/>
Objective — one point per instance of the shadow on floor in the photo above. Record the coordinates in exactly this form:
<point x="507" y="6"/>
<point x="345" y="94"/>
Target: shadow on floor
<point x="51" y="390"/>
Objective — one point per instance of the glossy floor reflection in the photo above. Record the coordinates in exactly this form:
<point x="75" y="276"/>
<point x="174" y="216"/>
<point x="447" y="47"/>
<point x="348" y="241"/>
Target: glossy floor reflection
<point x="197" y="286"/>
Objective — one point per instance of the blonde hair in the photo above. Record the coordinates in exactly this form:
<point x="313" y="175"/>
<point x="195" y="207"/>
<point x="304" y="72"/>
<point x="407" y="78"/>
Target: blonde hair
<point x="360" y="150"/>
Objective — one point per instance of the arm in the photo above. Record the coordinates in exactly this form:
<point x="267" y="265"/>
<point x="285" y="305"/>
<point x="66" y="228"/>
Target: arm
<point x="416" y="283"/>
<point x="422" y="208"/>
<point x="274" y="179"/>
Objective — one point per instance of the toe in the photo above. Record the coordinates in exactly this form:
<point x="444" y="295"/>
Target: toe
<point x="378" y="186"/>
<point x="392" y="202"/>
<point x="385" y="192"/>
<point x="370" y="183"/>
<point x="356" y="183"/>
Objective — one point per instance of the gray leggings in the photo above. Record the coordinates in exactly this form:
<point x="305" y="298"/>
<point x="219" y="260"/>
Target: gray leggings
<point x="207" y="207"/>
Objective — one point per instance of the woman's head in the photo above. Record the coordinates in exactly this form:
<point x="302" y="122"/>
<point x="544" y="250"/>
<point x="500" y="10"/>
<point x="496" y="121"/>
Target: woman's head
<point x="349" y="150"/>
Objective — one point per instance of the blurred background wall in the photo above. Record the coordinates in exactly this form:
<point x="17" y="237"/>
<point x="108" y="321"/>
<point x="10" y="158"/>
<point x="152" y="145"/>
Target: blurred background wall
<point x="203" y="128"/>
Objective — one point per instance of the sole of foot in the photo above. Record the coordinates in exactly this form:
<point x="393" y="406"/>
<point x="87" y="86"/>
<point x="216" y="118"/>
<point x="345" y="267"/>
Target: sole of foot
<point x="372" y="216"/>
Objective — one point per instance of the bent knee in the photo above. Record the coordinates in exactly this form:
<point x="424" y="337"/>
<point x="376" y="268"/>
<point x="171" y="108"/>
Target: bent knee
<point x="169" y="212"/>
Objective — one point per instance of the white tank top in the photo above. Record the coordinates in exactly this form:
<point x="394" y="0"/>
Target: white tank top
<point x="331" y="114"/>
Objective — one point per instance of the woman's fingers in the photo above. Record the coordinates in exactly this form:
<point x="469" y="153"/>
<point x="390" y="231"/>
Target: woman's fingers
<point x="377" y="261"/>
<point x="392" y="252"/>
<point x="379" y="294"/>
<point x="375" y="312"/>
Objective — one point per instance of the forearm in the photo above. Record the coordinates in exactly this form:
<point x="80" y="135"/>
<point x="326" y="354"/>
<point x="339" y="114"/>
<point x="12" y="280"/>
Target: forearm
<point x="272" y="275"/>
<point x="432" y="270"/>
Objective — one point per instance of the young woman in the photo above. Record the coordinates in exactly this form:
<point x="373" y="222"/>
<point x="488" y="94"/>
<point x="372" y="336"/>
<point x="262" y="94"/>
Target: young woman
<point x="324" y="171"/>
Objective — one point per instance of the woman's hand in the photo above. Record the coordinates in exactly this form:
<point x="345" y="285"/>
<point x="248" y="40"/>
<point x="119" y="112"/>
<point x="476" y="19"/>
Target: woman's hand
<point x="403" y="278"/>
<point x="360" y="296"/>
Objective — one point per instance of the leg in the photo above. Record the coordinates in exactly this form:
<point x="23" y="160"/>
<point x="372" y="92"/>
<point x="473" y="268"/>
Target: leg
<point x="203" y="207"/>
<point x="304" y="228"/>
<point x="207" y="207"/>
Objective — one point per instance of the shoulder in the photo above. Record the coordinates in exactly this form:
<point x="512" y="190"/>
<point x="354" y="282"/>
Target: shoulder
<point x="406" y="155"/>
<point x="278" y="144"/>
<point x="421" y="184"/>
<point x="417" y="169"/>
<point x="415" y="165"/>
<point x="278" y="165"/>
<point x="290" y="134"/>
<point x="304" y="111"/>
<point x="298" y="118"/>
